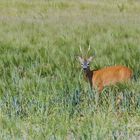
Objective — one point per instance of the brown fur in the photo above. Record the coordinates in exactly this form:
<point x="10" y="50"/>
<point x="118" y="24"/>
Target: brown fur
<point x="110" y="76"/>
<point x="105" y="76"/>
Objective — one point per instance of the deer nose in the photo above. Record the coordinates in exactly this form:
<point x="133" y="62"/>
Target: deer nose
<point x="84" y="68"/>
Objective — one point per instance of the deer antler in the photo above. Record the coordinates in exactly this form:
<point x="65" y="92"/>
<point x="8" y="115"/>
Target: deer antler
<point x="81" y="50"/>
<point x="88" y="49"/>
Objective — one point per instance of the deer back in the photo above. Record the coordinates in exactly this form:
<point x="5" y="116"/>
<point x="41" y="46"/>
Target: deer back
<point x="110" y="75"/>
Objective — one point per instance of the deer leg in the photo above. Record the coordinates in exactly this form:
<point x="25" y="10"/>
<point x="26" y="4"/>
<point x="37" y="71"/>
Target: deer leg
<point x="100" y="88"/>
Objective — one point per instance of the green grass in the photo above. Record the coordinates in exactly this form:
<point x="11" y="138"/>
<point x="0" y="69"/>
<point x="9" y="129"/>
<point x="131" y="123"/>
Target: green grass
<point x="42" y="91"/>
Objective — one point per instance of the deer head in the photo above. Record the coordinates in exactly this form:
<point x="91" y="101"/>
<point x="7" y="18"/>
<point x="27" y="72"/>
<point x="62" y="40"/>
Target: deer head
<point x="85" y="62"/>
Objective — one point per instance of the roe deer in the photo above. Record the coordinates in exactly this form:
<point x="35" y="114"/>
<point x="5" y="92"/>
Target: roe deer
<point x="106" y="76"/>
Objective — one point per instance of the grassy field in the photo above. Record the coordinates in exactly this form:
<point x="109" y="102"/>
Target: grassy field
<point x="42" y="91"/>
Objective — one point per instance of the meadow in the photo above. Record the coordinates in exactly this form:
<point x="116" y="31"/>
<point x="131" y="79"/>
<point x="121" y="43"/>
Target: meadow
<point x="43" y="94"/>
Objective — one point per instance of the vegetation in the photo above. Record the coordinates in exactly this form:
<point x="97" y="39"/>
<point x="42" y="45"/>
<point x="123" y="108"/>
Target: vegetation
<point x="42" y="91"/>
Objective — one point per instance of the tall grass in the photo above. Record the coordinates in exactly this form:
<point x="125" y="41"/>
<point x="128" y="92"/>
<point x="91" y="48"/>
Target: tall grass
<point x="42" y="91"/>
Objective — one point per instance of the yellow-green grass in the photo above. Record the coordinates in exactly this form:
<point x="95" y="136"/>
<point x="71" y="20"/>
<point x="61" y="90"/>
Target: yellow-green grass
<point x="42" y="91"/>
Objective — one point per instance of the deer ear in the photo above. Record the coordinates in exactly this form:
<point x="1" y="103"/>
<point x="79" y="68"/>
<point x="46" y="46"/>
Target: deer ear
<point x="90" y="59"/>
<point x="80" y="59"/>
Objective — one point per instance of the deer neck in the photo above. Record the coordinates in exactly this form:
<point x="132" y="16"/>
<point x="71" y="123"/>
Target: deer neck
<point x="88" y="75"/>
